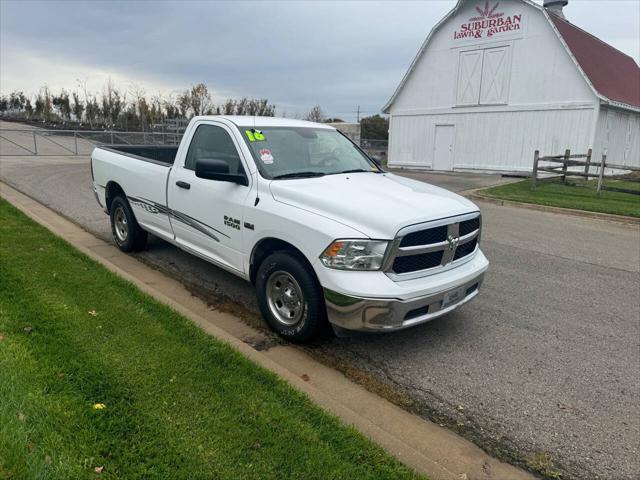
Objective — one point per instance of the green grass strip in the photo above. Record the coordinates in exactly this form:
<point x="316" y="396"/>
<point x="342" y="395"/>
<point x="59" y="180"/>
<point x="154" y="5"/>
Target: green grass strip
<point x="577" y="194"/>
<point x="177" y="403"/>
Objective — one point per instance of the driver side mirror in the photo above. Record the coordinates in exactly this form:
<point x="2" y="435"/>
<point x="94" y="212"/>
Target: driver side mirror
<point x="214" y="169"/>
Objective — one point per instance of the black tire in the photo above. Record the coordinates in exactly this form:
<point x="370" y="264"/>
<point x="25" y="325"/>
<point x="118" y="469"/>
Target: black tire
<point x="312" y="320"/>
<point x="127" y="233"/>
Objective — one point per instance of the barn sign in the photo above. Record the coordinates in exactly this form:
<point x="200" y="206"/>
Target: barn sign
<point x="490" y="22"/>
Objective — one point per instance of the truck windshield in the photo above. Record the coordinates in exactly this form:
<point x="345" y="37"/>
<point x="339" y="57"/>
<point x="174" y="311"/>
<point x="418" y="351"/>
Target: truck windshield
<point x="290" y="152"/>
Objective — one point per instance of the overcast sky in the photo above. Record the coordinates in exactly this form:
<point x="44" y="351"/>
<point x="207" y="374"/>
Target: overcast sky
<point x="296" y="54"/>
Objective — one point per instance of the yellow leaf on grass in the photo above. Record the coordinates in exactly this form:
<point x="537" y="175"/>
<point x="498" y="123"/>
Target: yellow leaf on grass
<point x="99" y="406"/>
<point x="93" y="313"/>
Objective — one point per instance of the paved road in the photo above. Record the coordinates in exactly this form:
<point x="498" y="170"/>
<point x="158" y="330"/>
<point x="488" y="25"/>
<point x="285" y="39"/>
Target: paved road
<point x="545" y="361"/>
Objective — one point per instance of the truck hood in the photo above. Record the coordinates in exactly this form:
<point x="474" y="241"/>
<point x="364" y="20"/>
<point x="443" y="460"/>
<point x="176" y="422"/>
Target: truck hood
<point x="377" y="205"/>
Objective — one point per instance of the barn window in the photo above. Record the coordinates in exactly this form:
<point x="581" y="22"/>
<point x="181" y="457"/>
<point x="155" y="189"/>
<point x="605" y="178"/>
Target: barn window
<point x="469" y="76"/>
<point x="483" y="77"/>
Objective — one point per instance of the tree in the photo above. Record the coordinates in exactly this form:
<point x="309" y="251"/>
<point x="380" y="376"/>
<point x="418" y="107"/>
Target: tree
<point x="113" y="102"/>
<point x="61" y="103"/>
<point x="184" y="103"/>
<point x="92" y="110"/>
<point x="229" y="107"/>
<point x="315" y="114"/>
<point x="4" y="104"/>
<point x="333" y="120"/>
<point x="200" y="99"/>
<point x="171" y="108"/>
<point x="374" y="127"/>
<point x="83" y="86"/>
<point x="263" y="108"/>
<point x="28" y="108"/>
<point x="242" y="106"/>
<point x="78" y="107"/>
<point x="43" y="104"/>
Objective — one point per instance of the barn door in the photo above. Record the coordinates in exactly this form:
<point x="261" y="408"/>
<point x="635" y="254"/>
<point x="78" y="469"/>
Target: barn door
<point x="443" y="148"/>
<point x="494" y="78"/>
<point x="469" y="76"/>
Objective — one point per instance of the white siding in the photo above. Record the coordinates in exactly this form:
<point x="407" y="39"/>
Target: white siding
<point x="507" y="95"/>
<point x="541" y="71"/>
<point x="618" y="135"/>
<point x="502" y="141"/>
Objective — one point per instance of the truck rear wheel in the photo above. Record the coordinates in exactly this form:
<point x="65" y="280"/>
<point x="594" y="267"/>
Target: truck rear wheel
<point x="128" y="235"/>
<point x="290" y="298"/>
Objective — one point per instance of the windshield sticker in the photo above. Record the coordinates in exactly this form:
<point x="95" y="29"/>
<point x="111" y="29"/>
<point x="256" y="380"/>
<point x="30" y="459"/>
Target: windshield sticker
<point x="254" y="135"/>
<point x="266" y="157"/>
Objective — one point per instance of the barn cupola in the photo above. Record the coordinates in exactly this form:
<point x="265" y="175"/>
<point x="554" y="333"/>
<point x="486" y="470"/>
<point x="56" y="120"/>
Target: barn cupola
<point x="555" y="6"/>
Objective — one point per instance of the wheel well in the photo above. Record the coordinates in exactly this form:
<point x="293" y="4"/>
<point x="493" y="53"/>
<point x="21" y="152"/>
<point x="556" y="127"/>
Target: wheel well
<point x="111" y="192"/>
<point x="266" y="247"/>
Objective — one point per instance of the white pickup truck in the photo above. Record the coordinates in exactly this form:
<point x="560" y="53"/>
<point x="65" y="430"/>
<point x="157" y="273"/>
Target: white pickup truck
<point x="300" y="211"/>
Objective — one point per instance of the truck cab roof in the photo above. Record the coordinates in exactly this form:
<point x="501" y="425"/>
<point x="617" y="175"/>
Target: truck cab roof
<point x="250" y="121"/>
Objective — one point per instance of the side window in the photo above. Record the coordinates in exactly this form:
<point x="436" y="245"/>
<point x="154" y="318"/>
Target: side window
<point x="210" y="141"/>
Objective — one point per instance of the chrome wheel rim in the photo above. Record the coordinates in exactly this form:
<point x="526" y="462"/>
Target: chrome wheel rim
<point x="285" y="298"/>
<point x="120" y="223"/>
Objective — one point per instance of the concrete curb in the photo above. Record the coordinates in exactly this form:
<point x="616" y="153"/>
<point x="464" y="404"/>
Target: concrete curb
<point x="608" y="217"/>
<point x="429" y="449"/>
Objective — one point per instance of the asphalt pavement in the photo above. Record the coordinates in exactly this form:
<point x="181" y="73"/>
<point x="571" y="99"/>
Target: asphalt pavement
<point x="544" y="365"/>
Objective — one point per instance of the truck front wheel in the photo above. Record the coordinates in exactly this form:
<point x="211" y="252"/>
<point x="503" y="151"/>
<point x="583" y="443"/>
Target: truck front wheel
<point x="128" y="235"/>
<point x="290" y="297"/>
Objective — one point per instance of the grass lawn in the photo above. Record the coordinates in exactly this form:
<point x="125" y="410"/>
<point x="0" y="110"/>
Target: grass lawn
<point x="578" y="194"/>
<point x="99" y="381"/>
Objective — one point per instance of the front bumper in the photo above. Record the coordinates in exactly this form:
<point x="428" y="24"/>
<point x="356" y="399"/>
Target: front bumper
<point x="385" y="314"/>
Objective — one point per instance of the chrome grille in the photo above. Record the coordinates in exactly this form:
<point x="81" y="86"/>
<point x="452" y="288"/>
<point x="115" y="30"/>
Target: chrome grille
<point x="424" y="237"/>
<point x="421" y="249"/>
<point x="412" y="263"/>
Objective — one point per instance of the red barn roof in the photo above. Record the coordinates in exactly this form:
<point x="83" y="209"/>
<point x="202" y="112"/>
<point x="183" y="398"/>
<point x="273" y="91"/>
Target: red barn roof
<point x="613" y="74"/>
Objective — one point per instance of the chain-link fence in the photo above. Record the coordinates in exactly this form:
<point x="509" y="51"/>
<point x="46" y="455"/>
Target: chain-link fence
<point x="41" y="142"/>
<point x="377" y="149"/>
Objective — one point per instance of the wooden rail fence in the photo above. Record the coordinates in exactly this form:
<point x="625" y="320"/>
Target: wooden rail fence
<point x="574" y="160"/>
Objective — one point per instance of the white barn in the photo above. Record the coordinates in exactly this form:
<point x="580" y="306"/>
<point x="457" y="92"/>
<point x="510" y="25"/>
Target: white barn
<point x="496" y="80"/>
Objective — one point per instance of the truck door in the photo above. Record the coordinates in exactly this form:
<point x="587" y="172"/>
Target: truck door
<point x="206" y="215"/>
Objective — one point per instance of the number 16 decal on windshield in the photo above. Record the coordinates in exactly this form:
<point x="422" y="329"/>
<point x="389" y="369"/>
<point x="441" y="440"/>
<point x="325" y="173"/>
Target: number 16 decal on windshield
<point x="254" y="135"/>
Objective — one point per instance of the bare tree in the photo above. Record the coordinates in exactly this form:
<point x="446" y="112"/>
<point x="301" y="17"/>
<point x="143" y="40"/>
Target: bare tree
<point x="43" y="104"/>
<point x="200" y="99"/>
<point x="184" y="103"/>
<point x="157" y="108"/>
<point x="92" y="110"/>
<point x="229" y="107"/>
<point x="113" y="102"/>
<point x="140" y="111"/>
<point x="265" y="109"/>
<point x="28" y="108"/>
<point x="62" y="104"/>
<point x="91" y="114"/>
<point x="171" y="107"/>
<point x="17" y="101"/>
<point x="242" y="106"/>
<point x="252" y="107"/>
<point x="4" y="104"/>
<point x="78" y="106"/>
<point x="315" y="114"/>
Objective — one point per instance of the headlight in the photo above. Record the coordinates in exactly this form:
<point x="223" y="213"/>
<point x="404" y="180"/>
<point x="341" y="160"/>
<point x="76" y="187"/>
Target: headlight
<point x="355" y="254"/>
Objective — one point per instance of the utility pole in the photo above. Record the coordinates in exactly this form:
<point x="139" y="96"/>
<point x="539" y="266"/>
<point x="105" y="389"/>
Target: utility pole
<point x="358" y="114"/>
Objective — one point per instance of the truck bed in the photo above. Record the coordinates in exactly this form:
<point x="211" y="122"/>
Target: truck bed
<point x="162" y="154"/>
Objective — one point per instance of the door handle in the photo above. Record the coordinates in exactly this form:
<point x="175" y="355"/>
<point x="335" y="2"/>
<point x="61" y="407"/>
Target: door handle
<point x="184" y="185"/>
